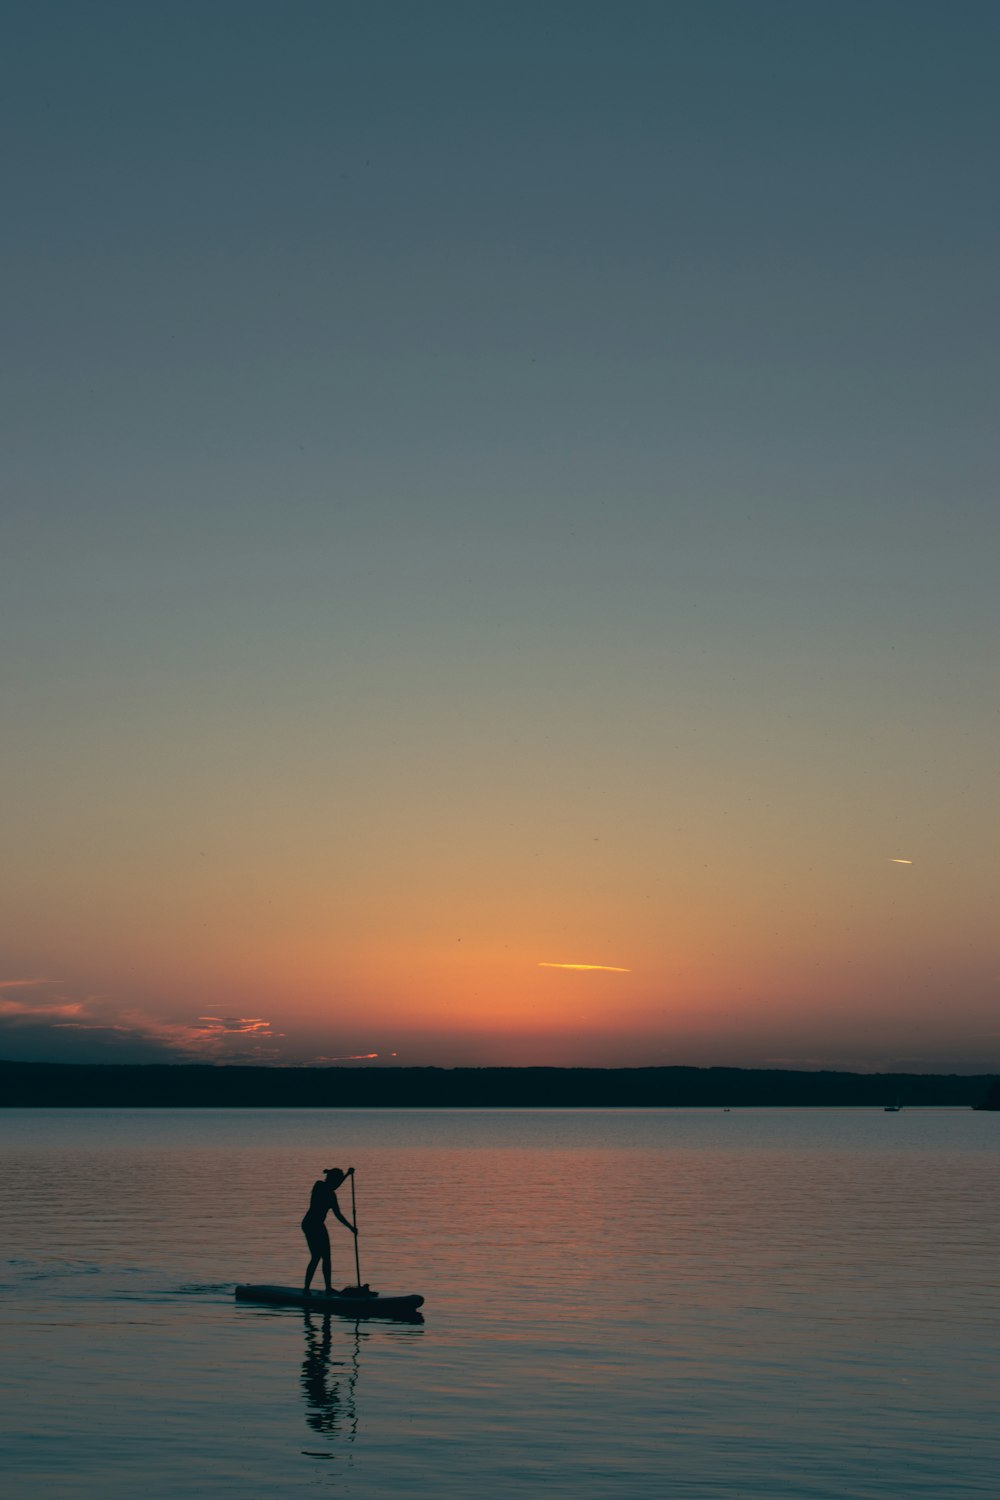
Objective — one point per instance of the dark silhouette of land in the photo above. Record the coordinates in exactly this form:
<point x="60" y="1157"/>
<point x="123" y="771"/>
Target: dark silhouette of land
<point x="184" y="1085"/>
<point x="992" y="1099"/>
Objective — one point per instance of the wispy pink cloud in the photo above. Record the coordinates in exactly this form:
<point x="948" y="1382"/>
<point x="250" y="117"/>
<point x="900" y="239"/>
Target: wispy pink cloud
<point x="239" y="1024"/>
<point x="12" y="1010"/>
<point x="206" y="1038"/>
<point x="210" y="1038"/>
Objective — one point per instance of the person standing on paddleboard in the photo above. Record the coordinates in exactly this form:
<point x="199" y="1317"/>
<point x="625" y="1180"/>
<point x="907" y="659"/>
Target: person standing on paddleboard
<point x="323" y="1201"/>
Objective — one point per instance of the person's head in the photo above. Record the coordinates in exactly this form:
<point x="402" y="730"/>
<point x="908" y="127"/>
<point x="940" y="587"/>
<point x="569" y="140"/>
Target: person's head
<point x="334" y="1177"/>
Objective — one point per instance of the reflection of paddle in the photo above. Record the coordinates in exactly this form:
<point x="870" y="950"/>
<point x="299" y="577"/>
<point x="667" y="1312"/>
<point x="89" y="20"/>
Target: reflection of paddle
<point x="354" y="1219"/>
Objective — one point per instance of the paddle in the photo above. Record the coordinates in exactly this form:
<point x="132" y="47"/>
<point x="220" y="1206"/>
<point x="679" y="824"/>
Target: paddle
<point x="354" y="1220"/>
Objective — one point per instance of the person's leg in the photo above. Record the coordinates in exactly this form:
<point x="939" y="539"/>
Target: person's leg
<point x="326" y="1262"/>
<point x="315" y="1253"/>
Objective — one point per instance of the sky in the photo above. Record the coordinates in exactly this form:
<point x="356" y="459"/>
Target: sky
<point x="497" y="487"/>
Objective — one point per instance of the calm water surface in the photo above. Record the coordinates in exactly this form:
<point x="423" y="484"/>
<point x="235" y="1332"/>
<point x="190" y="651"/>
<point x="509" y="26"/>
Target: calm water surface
<point x="619" y="1304"/>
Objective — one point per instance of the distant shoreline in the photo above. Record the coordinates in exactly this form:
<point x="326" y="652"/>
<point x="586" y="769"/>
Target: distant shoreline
<point x="201" y="1086"/>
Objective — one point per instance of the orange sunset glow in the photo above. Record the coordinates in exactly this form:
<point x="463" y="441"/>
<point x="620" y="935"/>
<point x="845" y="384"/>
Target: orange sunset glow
<point x="385" y="925"/>
<point x="430" y="599"/>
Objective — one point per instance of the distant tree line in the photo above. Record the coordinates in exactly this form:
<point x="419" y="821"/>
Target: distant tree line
<point x="183" y="1085"/>
<point x="992" y="1098"/>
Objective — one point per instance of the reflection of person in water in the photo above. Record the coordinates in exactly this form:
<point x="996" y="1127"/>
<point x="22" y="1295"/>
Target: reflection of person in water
<point x="322" y="1202"/>
<point x="322" y="1400"/>
<point x="330" y="1401"/>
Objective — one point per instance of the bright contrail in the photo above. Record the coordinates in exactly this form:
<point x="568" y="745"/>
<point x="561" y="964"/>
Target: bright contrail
<point x="901" y="861"/>
<point x="607" y="968"/>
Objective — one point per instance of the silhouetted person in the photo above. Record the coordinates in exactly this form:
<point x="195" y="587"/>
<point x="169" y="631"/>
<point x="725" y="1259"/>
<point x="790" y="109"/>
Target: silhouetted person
<point x="323" y="1201"/>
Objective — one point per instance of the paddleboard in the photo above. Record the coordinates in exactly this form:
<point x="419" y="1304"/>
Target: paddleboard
<point x="372" y="1305"/>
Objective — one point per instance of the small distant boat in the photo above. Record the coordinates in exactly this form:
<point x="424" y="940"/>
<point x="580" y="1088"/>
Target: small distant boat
<point x="893" y="1109"/>
<point x="355" y="1302"/>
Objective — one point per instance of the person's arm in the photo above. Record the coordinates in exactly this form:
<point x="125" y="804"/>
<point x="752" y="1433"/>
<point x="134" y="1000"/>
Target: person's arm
<point x="335" y="1206"/>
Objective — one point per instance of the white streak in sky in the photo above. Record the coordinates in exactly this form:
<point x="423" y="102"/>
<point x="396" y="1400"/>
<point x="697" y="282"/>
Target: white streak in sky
<point x="351" y="1057"/>
<point x="605" y="968"/>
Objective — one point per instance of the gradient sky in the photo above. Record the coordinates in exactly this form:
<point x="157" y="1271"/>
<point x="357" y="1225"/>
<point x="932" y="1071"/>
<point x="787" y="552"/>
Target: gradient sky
<point x="491" y="486"/>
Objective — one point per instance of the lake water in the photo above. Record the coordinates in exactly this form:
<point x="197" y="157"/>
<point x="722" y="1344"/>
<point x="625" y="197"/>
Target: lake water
<point x="649" y="1303"/>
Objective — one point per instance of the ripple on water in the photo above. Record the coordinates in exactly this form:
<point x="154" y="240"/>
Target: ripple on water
<point x="628" y="1304"/>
